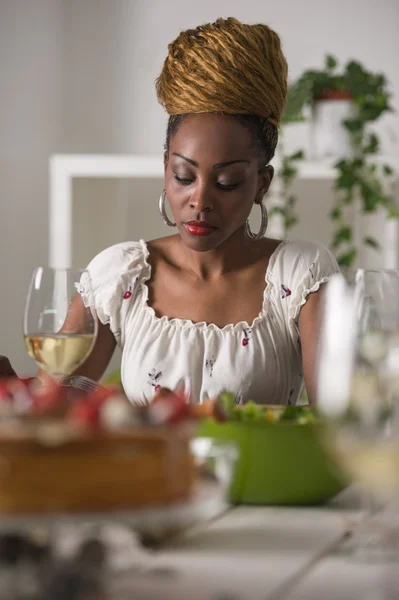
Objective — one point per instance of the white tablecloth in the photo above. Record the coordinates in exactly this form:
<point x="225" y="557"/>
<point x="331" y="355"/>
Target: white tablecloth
<point x="265" y="553"/>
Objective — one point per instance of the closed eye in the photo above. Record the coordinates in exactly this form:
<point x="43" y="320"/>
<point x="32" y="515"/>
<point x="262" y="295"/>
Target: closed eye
<point x="222" y="186"/>
<point x="183" y="181"/>
<point x="228" y="186"/>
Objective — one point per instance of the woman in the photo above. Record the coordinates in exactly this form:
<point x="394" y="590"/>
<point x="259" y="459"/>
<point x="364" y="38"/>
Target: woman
<point x="213" y="307"/>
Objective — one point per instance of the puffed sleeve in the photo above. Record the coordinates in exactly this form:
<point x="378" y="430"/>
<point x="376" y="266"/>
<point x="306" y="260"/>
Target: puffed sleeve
<point x="111" y="285"/>
<point x="299" y="268"/>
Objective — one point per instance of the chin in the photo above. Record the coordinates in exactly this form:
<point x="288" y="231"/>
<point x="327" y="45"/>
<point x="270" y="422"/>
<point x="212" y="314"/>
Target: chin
<point x="201" y="243"/>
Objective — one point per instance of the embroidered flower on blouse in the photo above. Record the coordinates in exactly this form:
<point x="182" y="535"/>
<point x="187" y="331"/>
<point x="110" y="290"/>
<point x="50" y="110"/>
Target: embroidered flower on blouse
<point x="285" y="291"/>
<point x="247" y="331"/>
<point x="154" y="378"/>
<point x="129" y="291"/>
<point x="209" y="364"/>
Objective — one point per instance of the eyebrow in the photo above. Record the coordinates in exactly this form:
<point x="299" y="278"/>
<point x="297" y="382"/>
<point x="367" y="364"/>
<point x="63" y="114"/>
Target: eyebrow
<point x="216" y="165"/>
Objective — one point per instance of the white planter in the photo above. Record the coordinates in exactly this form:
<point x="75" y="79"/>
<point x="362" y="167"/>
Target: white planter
<point x="328" y="137"/>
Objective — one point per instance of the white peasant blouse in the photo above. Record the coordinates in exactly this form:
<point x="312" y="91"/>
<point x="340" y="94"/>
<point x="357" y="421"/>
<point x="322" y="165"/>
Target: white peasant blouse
<point x="259" y="361"/>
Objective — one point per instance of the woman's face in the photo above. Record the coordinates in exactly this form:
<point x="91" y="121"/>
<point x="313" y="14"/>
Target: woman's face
<point x="213" y="176"/>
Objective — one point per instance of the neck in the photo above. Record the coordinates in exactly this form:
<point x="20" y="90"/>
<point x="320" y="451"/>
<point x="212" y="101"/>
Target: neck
<point x="230" y="256"/>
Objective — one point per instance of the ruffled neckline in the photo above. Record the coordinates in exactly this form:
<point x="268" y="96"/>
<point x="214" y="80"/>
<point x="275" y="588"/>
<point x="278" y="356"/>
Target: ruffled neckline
<point x="203" y="325"/>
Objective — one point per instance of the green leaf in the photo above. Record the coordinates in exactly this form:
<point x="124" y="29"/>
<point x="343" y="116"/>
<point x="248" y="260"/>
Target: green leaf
<point x="353" y="125"/>
<point x="290" y="221"/>
<point x="299" y="155"/>
<point x="348" y="258"/>
<point x="299" y="95"/>
<point x="372" y="144"/>
<point x="345" y="180"/>
<point x="348" y="198"/>
<point x="277" y="210"/>
<point x="344" y="234"/>
<point x="370" y="195"/>
<point x="372" y="242"/>
<point x="341" y="164"/>
<point x="331" y="62"/>
<point x="387" y="170"/>
<point x="335" y="214"/>
<point x="357" y="163"/>
<point x="355" y="70"/>
<point x="287" y="172"/>
<point x="348" y="173"/>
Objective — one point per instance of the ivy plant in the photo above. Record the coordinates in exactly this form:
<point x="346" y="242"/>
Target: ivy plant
<point x="287" y="200"/>
<point x="359" y="175"/>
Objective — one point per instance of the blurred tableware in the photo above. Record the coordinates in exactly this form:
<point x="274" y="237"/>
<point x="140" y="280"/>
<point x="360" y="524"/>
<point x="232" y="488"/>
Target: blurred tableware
<point x="279" y="463"/>
<point x="358" y="391"/>
<point x="105" y="543"/>
<point x="81" y="383"/>
<point x="56" y="337"/>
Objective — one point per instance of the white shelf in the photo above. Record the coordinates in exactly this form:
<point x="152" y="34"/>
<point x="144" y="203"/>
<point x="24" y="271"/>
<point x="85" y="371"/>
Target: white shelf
<point x="66" y="167"/>
<point x="326" y="170"/>
<point x="106" y="165"/>
<point x="136" y="165"/>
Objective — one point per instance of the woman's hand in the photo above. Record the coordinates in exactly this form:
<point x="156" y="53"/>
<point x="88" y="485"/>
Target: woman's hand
<point x="6" y="369"/>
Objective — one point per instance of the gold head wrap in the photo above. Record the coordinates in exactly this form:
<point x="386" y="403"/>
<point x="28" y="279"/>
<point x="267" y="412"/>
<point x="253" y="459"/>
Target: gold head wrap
<point x="225" y="67"/>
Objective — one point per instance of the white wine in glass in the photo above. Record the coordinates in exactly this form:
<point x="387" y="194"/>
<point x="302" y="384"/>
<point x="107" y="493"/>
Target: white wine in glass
<point x="59" y="330"/>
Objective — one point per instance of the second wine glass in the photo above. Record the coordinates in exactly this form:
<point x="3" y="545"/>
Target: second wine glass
<point x="358" y="393"/>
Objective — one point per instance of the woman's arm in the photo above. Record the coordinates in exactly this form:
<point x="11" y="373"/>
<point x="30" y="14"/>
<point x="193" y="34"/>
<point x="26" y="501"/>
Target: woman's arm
<point x="309" y="322"/>
<point x="104" y="346"/>
<point x="95" y="365"/>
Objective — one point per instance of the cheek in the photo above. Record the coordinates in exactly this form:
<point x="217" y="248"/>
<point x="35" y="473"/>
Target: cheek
<point x="242" y="202"/>
<point x="175" y="193"/>
<point x="242" y="208"/>
<point x="177" y="197"/>
<point x="233" y="211"/>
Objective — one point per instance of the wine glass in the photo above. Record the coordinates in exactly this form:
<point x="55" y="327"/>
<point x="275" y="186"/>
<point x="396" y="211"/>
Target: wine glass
<point x="59" y="330"/>
<point x="358" y="393"/>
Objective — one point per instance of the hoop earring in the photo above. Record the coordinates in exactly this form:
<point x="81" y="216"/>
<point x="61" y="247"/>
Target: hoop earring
<point x="263" y="225"/>
<point x="162" y="210"/>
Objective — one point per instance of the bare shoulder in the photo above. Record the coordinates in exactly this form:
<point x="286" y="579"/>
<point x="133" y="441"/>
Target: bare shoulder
<point x="271" y="245"/>
<point x="265" y="248"/>
<point x="162" y="249"/>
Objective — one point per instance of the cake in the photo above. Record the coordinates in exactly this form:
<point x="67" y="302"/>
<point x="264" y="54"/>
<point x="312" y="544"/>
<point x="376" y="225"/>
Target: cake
<point x="91" y="453"/>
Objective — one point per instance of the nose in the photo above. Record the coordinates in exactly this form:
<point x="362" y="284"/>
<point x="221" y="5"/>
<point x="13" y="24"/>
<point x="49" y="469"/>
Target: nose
<point x="200" y="199"/>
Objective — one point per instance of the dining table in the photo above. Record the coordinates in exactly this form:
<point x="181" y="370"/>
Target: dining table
<point x="267" y="553"/>
<point x="232" y="552"/>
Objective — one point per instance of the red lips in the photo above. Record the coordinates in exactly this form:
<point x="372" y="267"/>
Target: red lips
<point x="199" y="227"/>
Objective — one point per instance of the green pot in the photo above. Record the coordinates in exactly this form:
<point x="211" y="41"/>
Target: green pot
<point x="279" y="463"/>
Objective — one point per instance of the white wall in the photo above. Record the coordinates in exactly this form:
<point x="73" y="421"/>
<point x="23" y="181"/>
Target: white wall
<point x="358" y="29"/>
<point x="78" y="76"/>
<point x="135" y="36"/>
<point x="31" y="66"/>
